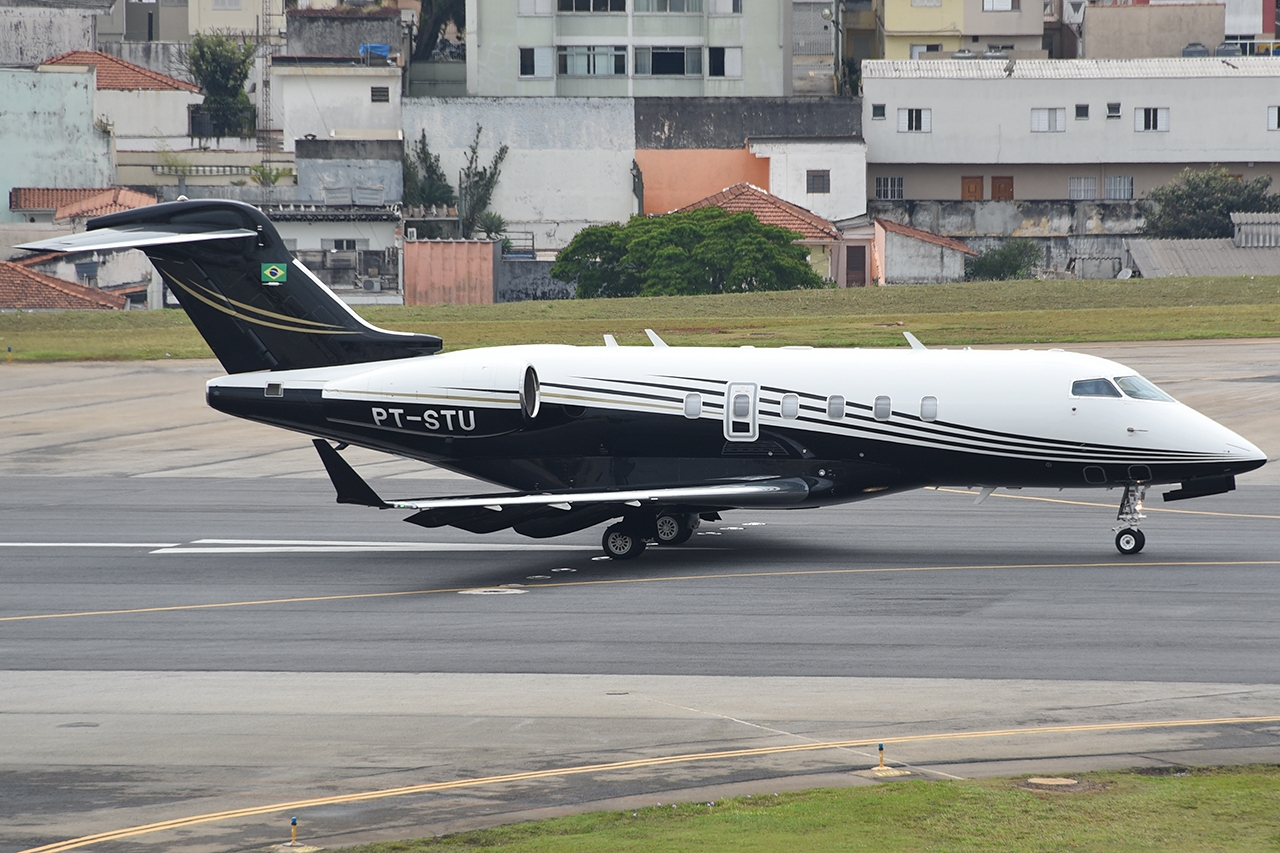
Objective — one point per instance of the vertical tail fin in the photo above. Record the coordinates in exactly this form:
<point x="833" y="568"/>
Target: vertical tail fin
<point x="252" y="301"/>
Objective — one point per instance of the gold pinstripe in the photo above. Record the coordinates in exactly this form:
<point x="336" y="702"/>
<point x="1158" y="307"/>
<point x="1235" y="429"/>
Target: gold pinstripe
<point x="194" y="289"/>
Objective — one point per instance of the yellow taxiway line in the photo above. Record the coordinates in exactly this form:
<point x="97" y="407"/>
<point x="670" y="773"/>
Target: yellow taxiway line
<point x="606" y="767"/>
<point x="261" y="602"/>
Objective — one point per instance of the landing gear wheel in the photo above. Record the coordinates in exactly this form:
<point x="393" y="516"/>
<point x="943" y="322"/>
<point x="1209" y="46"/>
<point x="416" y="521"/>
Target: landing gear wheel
<point x="1130" y="540"/>
<point x="673" y="529"/>
<point x="622" y="543"/>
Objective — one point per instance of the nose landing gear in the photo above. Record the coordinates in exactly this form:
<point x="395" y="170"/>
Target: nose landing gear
<point x="1129" y="539"/>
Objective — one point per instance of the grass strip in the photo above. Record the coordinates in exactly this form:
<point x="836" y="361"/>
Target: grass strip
<point x="945" y="315"/>
<point x="1220" y="809"/>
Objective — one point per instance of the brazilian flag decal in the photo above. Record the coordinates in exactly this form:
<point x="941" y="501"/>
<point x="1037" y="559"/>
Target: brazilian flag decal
<point x="275" y="273"/>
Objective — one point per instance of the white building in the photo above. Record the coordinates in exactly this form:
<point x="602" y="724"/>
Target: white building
<point x="334" y="98"/>
<point x="1064" y="129"/>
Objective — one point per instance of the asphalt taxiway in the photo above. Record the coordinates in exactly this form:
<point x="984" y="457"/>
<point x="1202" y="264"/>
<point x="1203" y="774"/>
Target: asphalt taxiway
<point x="194" y="653"/>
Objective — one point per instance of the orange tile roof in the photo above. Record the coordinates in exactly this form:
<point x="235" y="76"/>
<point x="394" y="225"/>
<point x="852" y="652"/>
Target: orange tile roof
<point x="115" y="73"/>
<point x="927" y="236"/>
<point x="770" y="210"/>
<point x="107" y="201"/>
<point x="47" y="198"/>
<point x="29" y="290"/>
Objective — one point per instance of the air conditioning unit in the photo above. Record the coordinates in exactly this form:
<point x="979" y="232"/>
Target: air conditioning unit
<point x="371" y="285"/>
<point x="411" y="234"/>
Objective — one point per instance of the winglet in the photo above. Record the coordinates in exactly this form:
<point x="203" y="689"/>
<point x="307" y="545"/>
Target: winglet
<point x="654" y="339"/>
<point x="914" y="341"/>
<point x="610" y="341"/>
<point x="350" y="487"/>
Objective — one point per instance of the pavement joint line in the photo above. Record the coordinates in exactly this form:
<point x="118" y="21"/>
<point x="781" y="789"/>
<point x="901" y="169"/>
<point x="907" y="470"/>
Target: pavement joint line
<point x="658" y="761"/>
<point x="30" y="617"/>
<point x="1109" y="506"/>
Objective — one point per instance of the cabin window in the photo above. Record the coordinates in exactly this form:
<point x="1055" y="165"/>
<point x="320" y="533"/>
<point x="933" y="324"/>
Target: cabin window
<point x="790" y="406"/>
<point x="1141" y="389"/>
<point x="883" y="408"/>
<point x="1093" y="388"/>
<point x="928" y="408"/>
<point x="741" y="406"/>
<point x="835" y="407"/>
<point x="692" y="406"/>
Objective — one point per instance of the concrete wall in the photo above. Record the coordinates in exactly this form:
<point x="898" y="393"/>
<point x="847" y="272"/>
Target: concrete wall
<point x="524" y="280"/>
<point x="1003" y="27"/>
<point x="330" y="100"/>
<point x="727" y="123"/>
<point x="908" y="22"/>
<point x="46" y="132"/>
<point x="676" y="177"/>
<point x="569" y="165"/>
<point x="313" y="32"/>
<point x="143" y="119"/>
<point x="451" y="272"/>
<point x="912" y="261"/>
<point x="16" y="233"/>
<point x="30" y="35"/>
<point x="790" y="160"/>
<point x="115" y="269"/>
<point x="1131" y="32"/>
<point x="987" y="119"/>
<point x="243" y="16"/>
<point x="965" y="219"/>
<point x="164" y="57"/>
<point x="310" y="235"/>
<point x="330" y="163"/>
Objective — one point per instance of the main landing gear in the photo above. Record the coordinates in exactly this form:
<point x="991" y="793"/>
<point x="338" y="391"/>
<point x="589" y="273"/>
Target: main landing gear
<point x="1129" y="539"/>
<point x="629" y="538"/>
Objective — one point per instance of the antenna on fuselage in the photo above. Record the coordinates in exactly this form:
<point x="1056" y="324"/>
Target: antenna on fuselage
<point x="610" y="341"/>
<point x="654" y="339"/>
<point x="914" y="341"/>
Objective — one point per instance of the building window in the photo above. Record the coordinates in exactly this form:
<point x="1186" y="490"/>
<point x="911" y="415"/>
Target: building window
<point x="889" y="189"/>
<point x="677" y="7"/>
<point x="817" y="181"/>
<point x="926" y="2"/>
<point x="915" y="121"/>
<point x="724" y="62"/>
<point x="590" y="61"/>
<point x="1119" y="187"/>
<point x="1048" y="120"/>
<point x="918" y="50"/>
<point x="1273" y="118"/>
<point x="535" y="62"/>
<point x="1082" y="189"/>
<point x="668" y="61"/>
<point x="593" y="5"/>
<point x="380" y="94"/>
<point x="877" y="111"/>
<point x="1113" y="110"/>
<point x="344" y="245"/>
<point x="1001" y="5"/>
<point x="725" y="7"/>
<point x="1082" y="111"/>
<point x="1154" y="119"/>
<point x="226" y="5"/>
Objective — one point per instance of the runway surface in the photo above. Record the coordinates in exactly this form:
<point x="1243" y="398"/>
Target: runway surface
<point x="200" y="646"/>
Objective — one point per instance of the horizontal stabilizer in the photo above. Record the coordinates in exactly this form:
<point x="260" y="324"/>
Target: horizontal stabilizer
<point x="351" y="488"/>
<point x="132" y="238"/>
<point x="774" y="492"/>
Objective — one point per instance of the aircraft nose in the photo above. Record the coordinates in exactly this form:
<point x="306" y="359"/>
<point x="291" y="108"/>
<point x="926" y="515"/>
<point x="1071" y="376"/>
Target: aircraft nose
<point x="1244" y="453"/>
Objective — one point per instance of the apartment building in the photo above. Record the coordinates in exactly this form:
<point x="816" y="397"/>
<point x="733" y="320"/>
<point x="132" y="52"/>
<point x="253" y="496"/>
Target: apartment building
<point x="629" y="48"/>
<point x="915" y="29"/>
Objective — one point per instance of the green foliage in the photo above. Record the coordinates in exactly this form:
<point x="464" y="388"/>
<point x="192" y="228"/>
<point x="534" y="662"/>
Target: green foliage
<point x="435" y="16"/>
<point x="1199" y="204"/>
<point x="221" y="64"/>
<point x="1012" y="260"/>
<point x="425" y="184"/>
<point x="476" y="185"/>
<point x="706" y="250"/>
<point x="265" y="176"/>
<point x="491" y="223"/>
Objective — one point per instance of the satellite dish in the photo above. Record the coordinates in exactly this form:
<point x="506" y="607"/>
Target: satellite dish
<point x="1125" y="273"/>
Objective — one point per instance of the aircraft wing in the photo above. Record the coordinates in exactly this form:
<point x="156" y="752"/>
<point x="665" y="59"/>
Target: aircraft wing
<point x="130" y="238"/>
<point x="778" y="491"/>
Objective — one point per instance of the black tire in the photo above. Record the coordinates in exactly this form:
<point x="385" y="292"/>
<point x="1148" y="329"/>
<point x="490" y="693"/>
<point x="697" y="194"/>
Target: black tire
<point x="621" y="543"/>
<point x="1130" y="540"/>
<point x="672" y="529"/>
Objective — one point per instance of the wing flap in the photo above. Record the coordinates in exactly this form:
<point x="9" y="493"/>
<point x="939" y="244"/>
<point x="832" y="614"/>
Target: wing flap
<point x="784" y="491"/>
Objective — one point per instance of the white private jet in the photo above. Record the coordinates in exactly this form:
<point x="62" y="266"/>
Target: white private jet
<point x="657" y="437"/>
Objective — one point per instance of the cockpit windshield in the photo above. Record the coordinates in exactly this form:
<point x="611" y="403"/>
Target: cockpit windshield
<point x="1093" y="388"/>
<point x="1141" y="389"/>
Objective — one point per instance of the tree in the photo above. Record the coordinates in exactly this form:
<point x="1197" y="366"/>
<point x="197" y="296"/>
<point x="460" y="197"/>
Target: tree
<point x="476" y="185"/>
<point x="1199" y="204"/>
<point x="706" y="250"/>
<point x="1014" y="259"/>
<point x="220" y="65"/>
<point x="435" y="16"/>
<point x="425" y="184"/>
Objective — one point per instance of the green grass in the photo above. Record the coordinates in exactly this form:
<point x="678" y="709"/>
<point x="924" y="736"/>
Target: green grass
<point x="1210" y="809"/>
<point x="952" y="314"/>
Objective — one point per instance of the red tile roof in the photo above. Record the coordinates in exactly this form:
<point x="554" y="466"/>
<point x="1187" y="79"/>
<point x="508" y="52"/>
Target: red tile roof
<point x="927" y="236"/>
<point x="107" y="201"/>
<point x="115" y="73"/>
<point x="45" y="198"/>
<point x="770" y="210"/>
<point x="29" y="290"/>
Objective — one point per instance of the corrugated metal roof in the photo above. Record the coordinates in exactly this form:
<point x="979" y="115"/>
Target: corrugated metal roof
<point x="1169" y="258"/>
<point x="1070" y="69"/>
<point x="1255" y="219"/>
